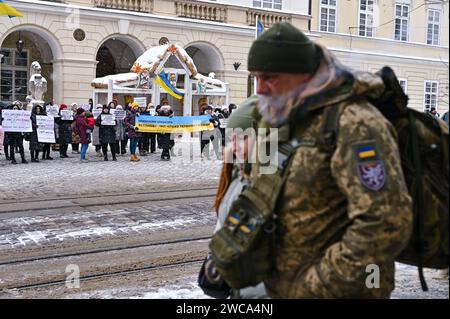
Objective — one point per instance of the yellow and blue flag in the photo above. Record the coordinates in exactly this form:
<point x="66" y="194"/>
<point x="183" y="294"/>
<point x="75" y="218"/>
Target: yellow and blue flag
<point x="6" y="9"/>
<point x="366" y="152"/>
<point x="164" y="82"/>
<point x="174" y="124"/>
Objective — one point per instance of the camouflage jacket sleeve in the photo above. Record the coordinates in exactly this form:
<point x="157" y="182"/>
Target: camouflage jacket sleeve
<point x="367" y="169"/>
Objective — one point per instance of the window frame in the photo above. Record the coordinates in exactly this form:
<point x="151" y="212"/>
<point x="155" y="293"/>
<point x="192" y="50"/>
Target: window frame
<point x="272" y="4"/>
<point x="13" y="68"/>
<point x="405" y="89"/>
<point x="433" y="23"/>
<point x="425" y="93"/>
<point x="366" y="13"/>
<point x="328" y="7"/>
<point x="401" y="18"/>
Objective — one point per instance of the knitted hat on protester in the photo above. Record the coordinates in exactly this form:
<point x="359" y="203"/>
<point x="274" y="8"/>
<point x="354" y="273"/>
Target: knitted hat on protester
<point x="283" y="49"/>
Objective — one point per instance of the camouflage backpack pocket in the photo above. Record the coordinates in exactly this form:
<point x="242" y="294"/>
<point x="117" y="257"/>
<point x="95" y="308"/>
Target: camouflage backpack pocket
<point x="242" y="249"/>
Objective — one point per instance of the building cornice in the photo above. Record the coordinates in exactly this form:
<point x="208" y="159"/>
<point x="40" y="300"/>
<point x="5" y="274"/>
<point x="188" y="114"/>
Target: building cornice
<point x="399" y="56"/>
<point x="136" y="17"/>
<point x="324" y="34"/>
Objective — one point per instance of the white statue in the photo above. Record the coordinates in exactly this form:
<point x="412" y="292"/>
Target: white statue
<point x="38" y="84"/>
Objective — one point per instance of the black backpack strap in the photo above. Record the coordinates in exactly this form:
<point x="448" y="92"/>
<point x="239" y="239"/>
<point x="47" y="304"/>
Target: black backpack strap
<point x="419" y="220"/>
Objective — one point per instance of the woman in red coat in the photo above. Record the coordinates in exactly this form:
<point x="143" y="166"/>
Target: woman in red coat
<point x="81" y="128"/>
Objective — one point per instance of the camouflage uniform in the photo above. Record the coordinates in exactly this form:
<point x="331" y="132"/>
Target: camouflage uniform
<point x="333" y="220"/>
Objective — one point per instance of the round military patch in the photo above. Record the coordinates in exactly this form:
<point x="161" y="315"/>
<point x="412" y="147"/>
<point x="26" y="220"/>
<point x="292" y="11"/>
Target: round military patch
<point x="372" y="174"/>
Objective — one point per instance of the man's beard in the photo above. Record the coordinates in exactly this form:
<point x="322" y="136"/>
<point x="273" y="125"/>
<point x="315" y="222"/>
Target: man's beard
<point x="275" y="110"/>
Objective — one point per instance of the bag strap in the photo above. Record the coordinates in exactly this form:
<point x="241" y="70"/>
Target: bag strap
<point x="266" y="189"/>
<point x="419" y="198"/>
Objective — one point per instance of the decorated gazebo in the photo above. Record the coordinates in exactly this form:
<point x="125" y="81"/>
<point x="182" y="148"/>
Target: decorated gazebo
<point x="164" y="74"/>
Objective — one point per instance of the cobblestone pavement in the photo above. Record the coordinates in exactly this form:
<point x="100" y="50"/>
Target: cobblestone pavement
<point x="116" y="221"/>
<point x="68" y="176"/>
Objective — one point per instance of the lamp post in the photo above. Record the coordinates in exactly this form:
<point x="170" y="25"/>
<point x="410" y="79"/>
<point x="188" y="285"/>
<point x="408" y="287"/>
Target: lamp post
<point x="19" y="44"/>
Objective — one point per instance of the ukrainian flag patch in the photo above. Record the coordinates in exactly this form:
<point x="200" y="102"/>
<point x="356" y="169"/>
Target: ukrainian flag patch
<point x="366" y="152"/>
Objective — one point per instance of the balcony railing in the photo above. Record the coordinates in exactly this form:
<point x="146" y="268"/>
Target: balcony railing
<point x="267" y="18"/>
<point x="201" y="11"/>
<point x="128" y="5"/>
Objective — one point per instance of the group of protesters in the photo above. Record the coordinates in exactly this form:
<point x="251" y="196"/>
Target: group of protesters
<point x="122" y="134"/>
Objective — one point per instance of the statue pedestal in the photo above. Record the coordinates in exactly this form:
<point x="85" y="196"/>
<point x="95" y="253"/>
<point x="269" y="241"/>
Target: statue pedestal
<point x="32" y="103"/>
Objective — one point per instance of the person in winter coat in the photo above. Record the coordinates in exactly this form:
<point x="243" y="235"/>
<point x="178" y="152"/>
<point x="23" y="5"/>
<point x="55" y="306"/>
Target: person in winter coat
<point x="165" y="138"/>
<point x="15" y="139"/>
<point x="83" y="129"/>
<point x="95" y="136"/>
<point x="210" y="135"/>
<point x="35" y="146"/>
<point x="121" y="141"/>
<point x="75" y="136"/>
<point x="234" y="179"/>
<point x="65" y="132"/>
<point x="152" y="136"/>
<point x="107" y="135"/>
<point x="133" y="134"/>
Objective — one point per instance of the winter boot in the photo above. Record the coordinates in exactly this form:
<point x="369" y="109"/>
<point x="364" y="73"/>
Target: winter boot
<point x="114" y="157"/>
<point x="24" y="161"/>
<point x="165" y="155"/>
<point x="33" y="159"/>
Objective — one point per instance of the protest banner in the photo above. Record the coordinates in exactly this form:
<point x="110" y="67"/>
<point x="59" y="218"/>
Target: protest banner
<point x="66" y="115"/>
<point x="16" y="121"/>
<point x="142" y="101"/>
<point x="108" y="119"/>
<point x="52" y="110"/>
<point x="120" y="114"/>
<point x="46" y="128"/>
<point x="175" y="124"/>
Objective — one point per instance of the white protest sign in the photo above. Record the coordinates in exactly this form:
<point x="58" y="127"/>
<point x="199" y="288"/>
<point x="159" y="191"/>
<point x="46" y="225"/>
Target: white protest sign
<point x="119" y="114"/>
<point x="142" y="101"/>
<point x="52" y="110"/>
<point x="16" y="121"/>
<point x="108" y="119"/>
<point x="223" y="123"/>
<point x="96" y="112"/>
<point x="45" y="130"/>
<point x="85" y="107"/>
<point x="67" y="115"/>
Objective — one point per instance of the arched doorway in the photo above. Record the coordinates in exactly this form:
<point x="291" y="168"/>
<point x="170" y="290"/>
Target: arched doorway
<point x="117" y="55"/>
<point x="207" y="58"/>
<point x="38" y="45"/>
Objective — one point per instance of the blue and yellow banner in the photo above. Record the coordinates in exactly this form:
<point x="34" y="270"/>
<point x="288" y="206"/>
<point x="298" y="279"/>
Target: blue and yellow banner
<point x="6" y="9"/>
<point x="175" y="124"/>
<point x="164" y="82"/>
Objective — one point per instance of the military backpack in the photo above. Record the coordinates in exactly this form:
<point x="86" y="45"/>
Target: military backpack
<point x="423" y="142"/>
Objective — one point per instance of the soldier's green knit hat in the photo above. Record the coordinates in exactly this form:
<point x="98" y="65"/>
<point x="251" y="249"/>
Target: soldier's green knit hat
<point x="283" y="49"/>
<point x="242" y="116"/>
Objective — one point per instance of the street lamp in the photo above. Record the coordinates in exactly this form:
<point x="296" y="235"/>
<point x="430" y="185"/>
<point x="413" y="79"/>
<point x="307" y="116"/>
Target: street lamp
<point x="20" y="44"/>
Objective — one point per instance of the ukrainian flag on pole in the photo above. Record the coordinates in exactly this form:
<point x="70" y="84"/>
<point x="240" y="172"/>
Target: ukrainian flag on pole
<point x="164" y="82"/>
<point x="7" y="10"/>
